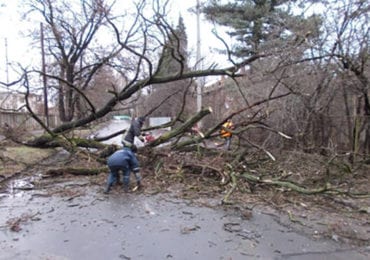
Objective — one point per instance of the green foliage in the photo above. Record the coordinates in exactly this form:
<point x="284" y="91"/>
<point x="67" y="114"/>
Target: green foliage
<point x="253" y="23"/>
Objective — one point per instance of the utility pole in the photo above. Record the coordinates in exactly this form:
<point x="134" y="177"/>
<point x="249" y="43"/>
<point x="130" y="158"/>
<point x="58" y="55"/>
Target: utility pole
<point x="44" y="80"/>
<point x="199" y="63"/>
<point x="6" y="61"/>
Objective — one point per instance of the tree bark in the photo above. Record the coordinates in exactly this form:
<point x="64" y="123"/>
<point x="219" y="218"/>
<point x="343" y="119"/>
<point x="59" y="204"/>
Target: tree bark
<point x="48" y="141"/>
<point x="181" y="129"/>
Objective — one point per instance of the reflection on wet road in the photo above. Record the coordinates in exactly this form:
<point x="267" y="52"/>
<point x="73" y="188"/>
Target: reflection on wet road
<point x="138" y="226"/>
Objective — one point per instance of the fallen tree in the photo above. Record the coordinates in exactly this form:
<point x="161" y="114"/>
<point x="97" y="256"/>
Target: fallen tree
<point x="182" y="129"/>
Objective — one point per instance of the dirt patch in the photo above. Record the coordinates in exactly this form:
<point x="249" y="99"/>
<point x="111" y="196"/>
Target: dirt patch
<point x="26" y="155"/>
<point x="17" y="159"/>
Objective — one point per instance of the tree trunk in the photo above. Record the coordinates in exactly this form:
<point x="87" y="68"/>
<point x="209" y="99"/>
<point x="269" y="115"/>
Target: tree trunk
<point x="181" y="129"/>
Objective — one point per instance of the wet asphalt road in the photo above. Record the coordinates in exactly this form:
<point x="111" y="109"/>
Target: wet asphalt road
<point x="138" y="226"/>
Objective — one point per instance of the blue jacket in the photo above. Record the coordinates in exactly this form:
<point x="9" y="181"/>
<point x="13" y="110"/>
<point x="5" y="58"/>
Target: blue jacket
<point x="124" y="159"/>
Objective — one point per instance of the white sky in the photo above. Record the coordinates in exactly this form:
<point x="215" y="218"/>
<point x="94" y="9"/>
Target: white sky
<point x="19" y="49"/>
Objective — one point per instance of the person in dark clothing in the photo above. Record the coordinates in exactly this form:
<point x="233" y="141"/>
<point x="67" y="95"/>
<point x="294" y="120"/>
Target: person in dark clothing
<point x="123" y="160"/>
<point x="134" y="130"/>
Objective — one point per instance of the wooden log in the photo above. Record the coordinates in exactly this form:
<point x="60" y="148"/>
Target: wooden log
<point x="181" y="129"/>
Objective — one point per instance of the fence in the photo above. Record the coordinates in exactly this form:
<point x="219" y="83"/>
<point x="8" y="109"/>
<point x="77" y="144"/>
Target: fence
<point x="24" y="120"/>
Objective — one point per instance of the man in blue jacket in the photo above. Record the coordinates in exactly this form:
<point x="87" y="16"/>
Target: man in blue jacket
<point x="123" y="160"/>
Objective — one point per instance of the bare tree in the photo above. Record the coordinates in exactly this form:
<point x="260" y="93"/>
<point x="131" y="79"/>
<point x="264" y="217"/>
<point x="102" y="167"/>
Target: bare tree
<point x="352" y="50"/>
<point x="70" y="32"/>
<point x="145" y="51"/>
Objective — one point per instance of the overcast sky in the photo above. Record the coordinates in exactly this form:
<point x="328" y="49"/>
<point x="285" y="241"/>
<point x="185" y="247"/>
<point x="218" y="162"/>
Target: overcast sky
<point x="19" y="46"/>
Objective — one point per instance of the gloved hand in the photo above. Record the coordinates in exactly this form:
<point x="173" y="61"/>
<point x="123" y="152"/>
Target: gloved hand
<point x="139" y="186"/>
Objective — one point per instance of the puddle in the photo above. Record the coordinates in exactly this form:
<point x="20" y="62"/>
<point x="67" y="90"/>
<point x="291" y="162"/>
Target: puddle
<point x="138" y="226"/>
<point x="23" y="184"/>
